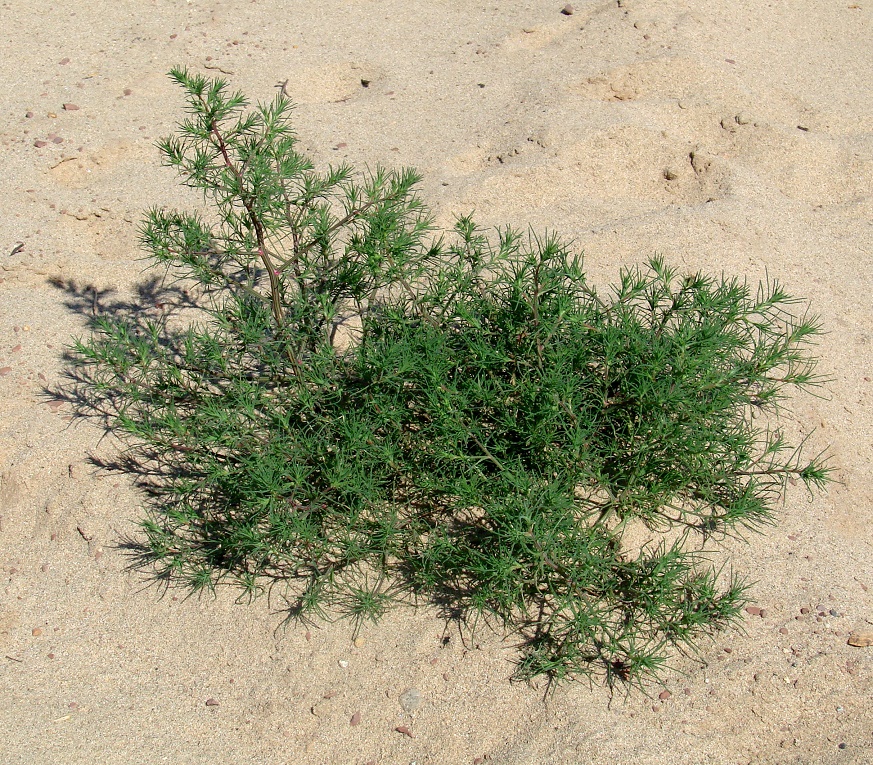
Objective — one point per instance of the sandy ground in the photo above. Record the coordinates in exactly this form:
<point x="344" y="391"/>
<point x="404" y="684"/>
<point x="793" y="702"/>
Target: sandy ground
<point x="730" y="135"/>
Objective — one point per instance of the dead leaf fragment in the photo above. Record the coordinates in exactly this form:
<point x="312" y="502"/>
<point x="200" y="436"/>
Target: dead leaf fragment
<point x="861" y="638"/>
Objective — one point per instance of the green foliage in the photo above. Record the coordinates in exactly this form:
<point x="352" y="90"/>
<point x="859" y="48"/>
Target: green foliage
<point x="367" y="410"/>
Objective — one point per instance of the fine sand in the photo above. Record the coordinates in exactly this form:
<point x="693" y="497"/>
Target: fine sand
<point x="732" y="136"/>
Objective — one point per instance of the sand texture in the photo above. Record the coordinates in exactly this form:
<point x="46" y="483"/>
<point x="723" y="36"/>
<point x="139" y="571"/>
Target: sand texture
<point x="732" y="136"/>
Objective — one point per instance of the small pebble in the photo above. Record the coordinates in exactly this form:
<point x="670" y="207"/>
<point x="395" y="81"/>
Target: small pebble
<point x="28" y="114"/>
<point x="343" y="663"/>
<point x="57" y="139"/>
<point x="71" y="108"/>
<point x="753" y="610"/>
<point x="664" y="695"/>
<point x="568" y="10"/>
<point x="356" y="719"/>
<point x="40" y="144"/>
<point x="404" y="730"/>
<point x="804" y="610"/>
<point x="834" y="612"/>
<point x="36" y="632"/>
<point x="783" y="631"/>
<point x="410" y="699"/>
<point x="127" y="91"/>
<point x="211" y="703"/>
<point x="5" y="371"/>
<point x="842" y="745"/>
<point x="64" y="61"/>
<point x="359" y="642"/>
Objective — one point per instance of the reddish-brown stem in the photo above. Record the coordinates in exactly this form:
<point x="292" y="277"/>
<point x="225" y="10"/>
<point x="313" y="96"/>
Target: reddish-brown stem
<point x="258" y="227"/>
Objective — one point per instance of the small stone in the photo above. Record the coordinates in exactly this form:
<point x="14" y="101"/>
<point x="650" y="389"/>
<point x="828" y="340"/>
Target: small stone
<point x="804" y="610"/>
<point x="57" y="139"/>
<point x="834" y="612"/>
<point x="670" y="174"/>
<point x="686" y="691"/>
<point x="127" y="91"/>
<point x="36" y="632"/>
<point x="793" y="537"/>
<point x="28" y="114"/>
<point x="861" y="638"/>
<point x="728" y="650"/>
<point x="753" y="610"/>
<point x="40" y="144"/>
<point x="308" y="636"/>
<point x="5" y="371"/>
<point x="743" y="118"/>
<point x="410" y="699"/>
<point x="343" y="663"/>
<point x="842" y="745"/>
<point x="64" y="61"/>
<point x="71" y="108"/>
<point x="356" y="719"/>
<point x="783" y="631"/>
<point x="365" y="83"/>
<point x="568" y="10"/>
<point x="16" y="348"/>
<point x="359" y="642"/>
<point x="404" y="730"/>
<point x="664" y="695"/>
<point x="212" y="702"/>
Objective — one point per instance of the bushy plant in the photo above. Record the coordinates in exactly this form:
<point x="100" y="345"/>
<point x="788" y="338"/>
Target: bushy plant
<point x="365" y="409"/>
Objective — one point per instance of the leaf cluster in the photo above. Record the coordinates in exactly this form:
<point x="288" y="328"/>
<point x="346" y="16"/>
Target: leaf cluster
<point x="366" y="409"/>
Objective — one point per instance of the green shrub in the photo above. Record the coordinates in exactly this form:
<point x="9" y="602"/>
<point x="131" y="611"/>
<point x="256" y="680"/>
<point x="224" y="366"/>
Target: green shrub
<point x="364" y="409"/>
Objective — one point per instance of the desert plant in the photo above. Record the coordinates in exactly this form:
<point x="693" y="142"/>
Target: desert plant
<point x="365" y="409"/>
